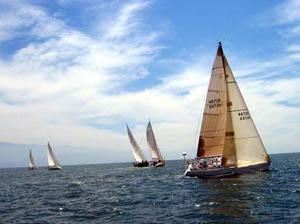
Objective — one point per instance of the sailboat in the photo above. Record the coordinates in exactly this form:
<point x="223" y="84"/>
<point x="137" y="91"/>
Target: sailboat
<point x="140" y="160"/>
<point x="157" y="159"/>
<point x="229" y="143"/>
<point x="53" y="163"/>
<point x="32" y="165"/>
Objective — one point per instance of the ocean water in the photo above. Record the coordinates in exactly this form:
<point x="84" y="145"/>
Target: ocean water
<point x="119" y="193"/>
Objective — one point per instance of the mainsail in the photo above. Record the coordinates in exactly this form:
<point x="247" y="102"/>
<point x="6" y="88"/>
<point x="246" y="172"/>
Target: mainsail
<point x="137" y="152"/>
<point x="227" y="126"/>
<point x="31" y="161"/>
<point x="215" y="111"/>
<point x="52" y="161"/>
<point x="155" y="152"/>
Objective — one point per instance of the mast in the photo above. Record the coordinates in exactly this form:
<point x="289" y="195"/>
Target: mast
<point x="229" y="152"/>
<point x="137" y="152"/>
<point x="155" y="152"/>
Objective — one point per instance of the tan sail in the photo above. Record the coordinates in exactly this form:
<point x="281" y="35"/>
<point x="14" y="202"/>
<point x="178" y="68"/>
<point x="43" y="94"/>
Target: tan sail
<point x="248" y="144"/>
<point x="229" y="143"/>
<point x="227" y="126"/>
<point x="137" y="152"/>
<point x="155" y="152"/>
<point x="212" y="134"/>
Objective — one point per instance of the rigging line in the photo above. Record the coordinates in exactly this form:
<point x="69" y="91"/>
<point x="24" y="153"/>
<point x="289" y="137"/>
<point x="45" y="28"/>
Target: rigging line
<point x="237" y="110"/>
<point x="210" y="146"/>
<point x="198" y="129"/>
<point x="213" y="130"/>
<point x="217" y="67"/>
<point x="247" y="137"/>
<point x="213" y="136"/>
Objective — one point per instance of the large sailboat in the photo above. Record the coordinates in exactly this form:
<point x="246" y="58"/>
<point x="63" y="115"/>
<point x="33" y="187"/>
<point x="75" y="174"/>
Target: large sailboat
<point x="229" y="143"/>
<point x="140" y="160"/>
<point x="157" y="159"/>
<point x="32" y="165"/>
<point x="53" y="163"/>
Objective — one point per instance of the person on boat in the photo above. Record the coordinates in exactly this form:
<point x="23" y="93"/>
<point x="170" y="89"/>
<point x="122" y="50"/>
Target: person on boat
<point x="201" y="165"/>
<point x="204" y="164"/>
<point x="210" y="163"/>
<point x="219" y="161"/>
<point x="214" y="164"/>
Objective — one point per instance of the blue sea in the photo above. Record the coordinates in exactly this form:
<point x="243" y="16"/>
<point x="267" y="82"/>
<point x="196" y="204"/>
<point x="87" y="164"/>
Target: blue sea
<point x="119" y="193"/>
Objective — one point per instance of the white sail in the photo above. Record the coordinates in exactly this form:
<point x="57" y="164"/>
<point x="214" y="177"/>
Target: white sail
<point x="52" y="161"/>
<point x="248" y="144"/>
<point x="31" y="161"/>
<point x="155" y="152"/>
<point x="137" y="152"/>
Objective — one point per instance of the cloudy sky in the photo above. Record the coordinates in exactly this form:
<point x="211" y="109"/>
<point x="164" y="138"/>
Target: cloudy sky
<point x="73" y="72"/>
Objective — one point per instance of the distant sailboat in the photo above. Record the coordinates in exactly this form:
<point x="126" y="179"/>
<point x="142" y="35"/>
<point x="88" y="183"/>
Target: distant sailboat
<point x="157" y="159"/>
<point x="53" y="163"/>
<point x="229" y="143"/>
<point x="32" y="165"/>
<point x="137" y="152"/>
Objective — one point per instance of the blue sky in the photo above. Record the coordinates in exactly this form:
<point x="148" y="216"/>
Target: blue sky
<point x="73" y="72"/>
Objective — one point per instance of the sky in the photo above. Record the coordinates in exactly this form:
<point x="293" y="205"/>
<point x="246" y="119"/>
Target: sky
<point x="73" y="72"/>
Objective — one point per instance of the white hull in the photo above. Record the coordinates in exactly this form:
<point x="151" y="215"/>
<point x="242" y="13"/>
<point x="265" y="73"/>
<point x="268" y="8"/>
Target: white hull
<point x="54" y="168"/>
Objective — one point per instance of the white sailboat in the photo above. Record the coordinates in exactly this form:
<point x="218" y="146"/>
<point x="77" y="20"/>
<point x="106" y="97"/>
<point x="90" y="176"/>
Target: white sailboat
<point x="229" y="143"/>
<point x="32" y="165"/>
<point x="53" y="163"/>
<point x="140" y="160"/>
<point x="157" y="159"/>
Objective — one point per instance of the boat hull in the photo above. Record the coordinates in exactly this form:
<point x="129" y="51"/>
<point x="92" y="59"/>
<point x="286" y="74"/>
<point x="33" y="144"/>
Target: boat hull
<point x="142" y="164"/>
<point x="227" y="172"/>
<point x="158" y="163"/>
<point x="54" y="168"/>
<point x="32" y="168"/>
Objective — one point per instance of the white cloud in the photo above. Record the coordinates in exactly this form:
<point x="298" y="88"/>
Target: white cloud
<point x="294" y="31"/>
<point x="126" y="20"/>
<point x="18" y="18"/>
<point x="288" y="12"/>
<point x="65" y="87"/>
<point x="293" y="48"/>
<point x="63" y="80"/>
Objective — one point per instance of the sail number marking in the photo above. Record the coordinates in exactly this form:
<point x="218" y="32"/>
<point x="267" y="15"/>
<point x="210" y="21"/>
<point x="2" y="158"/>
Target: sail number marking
<point x="214" y="103"/>
<point x="245" y="115"/>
